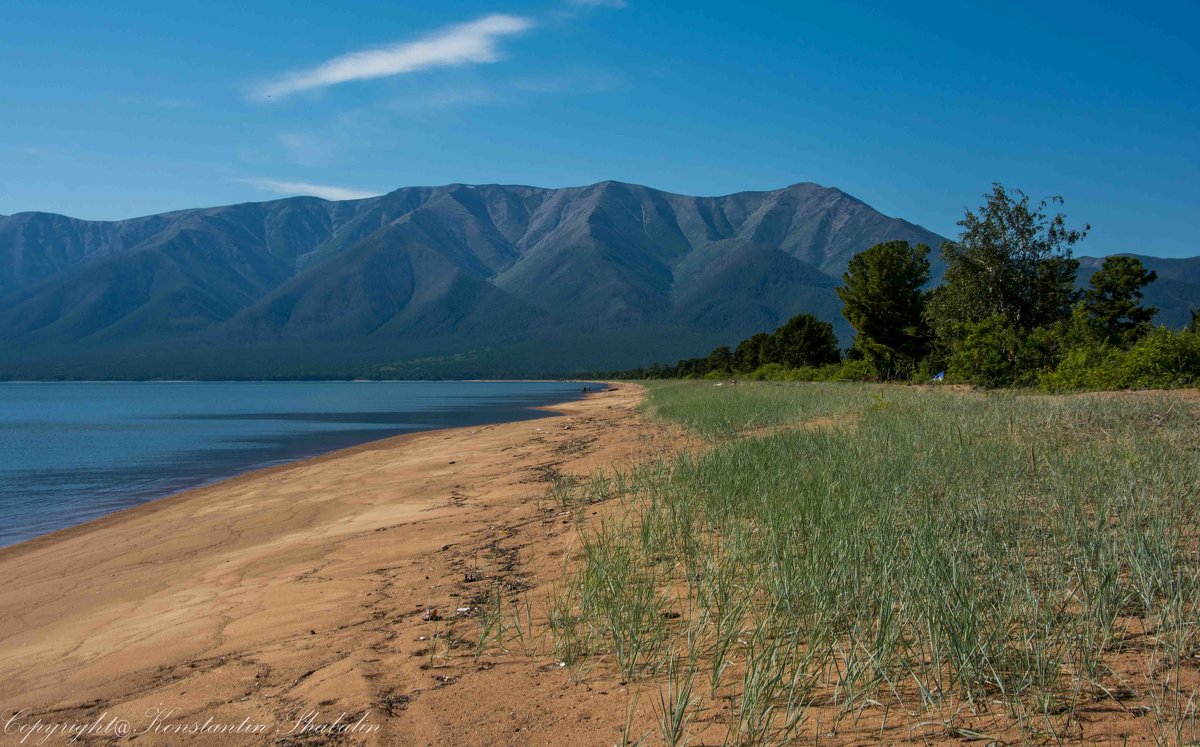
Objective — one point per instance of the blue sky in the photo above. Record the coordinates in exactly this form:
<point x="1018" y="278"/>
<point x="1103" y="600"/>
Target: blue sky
<point x="117" y="109"/>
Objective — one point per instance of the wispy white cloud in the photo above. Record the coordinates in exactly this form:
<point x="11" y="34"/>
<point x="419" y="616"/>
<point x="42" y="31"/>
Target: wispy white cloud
<point x="324" y="191"/>
<point x="474" y="42"/>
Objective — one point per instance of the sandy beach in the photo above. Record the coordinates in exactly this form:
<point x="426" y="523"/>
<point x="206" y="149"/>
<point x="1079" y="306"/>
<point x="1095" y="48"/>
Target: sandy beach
<point x="304" y="604"/>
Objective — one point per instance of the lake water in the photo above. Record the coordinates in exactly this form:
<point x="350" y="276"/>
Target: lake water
<point x="70" y="452"/>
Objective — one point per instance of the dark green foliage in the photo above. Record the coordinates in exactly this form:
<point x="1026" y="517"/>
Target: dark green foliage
<point x="848" y="370"/>
<point x="1007" y="313"/>
<point x="748" y="355"/>
<point x="719" y="359"/>
<point x="882" y="299"/>
<point x="994" y="353"/>
<point x="692" y="368"/>
<point x="1004" y="316"/>
<point x="804" y="341"/>
<point x="1115" y="297"/>
<point x="1161" y="358"/>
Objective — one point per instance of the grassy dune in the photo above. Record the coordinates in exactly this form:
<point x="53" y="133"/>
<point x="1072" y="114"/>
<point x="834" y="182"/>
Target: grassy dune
<point x="901" y="562"/>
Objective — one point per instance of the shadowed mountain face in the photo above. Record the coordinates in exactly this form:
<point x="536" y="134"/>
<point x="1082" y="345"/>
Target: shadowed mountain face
<point x="442" y="281"/>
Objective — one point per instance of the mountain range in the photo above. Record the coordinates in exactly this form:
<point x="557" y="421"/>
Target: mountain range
<point x="459" y="280"/>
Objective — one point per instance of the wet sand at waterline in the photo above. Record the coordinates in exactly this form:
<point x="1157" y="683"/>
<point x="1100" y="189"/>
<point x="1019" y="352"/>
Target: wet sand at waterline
<point x="294" y="605"/>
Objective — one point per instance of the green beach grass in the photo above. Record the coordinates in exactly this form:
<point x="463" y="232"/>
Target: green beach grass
<point x="975" y="564"/>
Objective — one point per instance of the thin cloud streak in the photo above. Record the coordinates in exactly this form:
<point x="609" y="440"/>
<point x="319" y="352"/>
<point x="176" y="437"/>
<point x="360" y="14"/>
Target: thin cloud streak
<point x="468" y="43"/>
<point x="324" y="191"/>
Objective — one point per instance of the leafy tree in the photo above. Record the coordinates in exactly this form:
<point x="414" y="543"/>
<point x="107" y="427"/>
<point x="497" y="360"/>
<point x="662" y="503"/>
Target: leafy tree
<point x="882" y="299"/>
<point x="748" y="354"/>
<point x="769" y="351"/>
<point x="1114" y="299"/>
<point x="719" y="360"/>
<point x="803" y="340"/>
<point x="1012" y="260"/>
<point x="1195" y="324"/>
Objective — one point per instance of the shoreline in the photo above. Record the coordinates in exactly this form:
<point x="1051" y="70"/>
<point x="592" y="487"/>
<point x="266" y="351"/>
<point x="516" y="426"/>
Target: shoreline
<point x="298" y="586"/>
<point x="154" y="505"/>
<point x="290" y="381"/>
<point x="138" y="500"/>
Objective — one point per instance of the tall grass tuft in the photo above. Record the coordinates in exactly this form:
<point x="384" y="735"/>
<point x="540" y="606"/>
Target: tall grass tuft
<point x="927" y="550"/>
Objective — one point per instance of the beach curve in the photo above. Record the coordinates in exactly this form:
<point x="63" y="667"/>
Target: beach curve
<point x="299" y="598"/>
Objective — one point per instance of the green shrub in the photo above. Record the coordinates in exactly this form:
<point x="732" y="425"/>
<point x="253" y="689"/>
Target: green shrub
<point x="1094" y="367"/>
<point x="769" y="372"/>
<point x="1161" y="359"/>
<point x="850" y="370"/>
<point x="856" y="370"/>
<point x="995" y="353"/>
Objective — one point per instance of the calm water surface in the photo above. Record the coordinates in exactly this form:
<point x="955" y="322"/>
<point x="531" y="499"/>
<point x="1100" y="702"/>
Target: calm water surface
<point x="70" y="452"/>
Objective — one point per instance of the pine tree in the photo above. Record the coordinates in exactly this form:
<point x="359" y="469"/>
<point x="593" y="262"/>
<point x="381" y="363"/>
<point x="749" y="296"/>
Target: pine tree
<point x="1114" y="300"/>
<point x="882" y="299"/>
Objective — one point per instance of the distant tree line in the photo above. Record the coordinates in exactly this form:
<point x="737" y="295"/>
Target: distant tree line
<point x="1007" y="314"/>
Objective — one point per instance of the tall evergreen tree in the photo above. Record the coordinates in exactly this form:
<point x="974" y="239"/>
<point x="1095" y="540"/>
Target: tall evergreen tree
<point x="882" y="299"/>
<point x="1114" y="299"/>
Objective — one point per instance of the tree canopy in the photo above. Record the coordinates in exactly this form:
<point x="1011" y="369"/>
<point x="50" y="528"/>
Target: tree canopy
<point x="882" y="299"/>
<point x="802" y="341"/>
<point x="1114" y="298"/>
<point x="1011" y="260"/>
